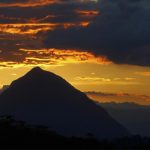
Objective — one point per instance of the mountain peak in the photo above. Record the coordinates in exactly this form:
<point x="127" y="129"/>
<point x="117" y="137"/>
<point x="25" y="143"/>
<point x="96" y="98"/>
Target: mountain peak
<point x="36" y="70"/>
<point x="37" y="78"/>
<point x="39" y="72"/>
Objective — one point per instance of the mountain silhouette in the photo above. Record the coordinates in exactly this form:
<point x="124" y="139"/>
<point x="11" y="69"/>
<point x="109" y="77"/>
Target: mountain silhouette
<point x="43" y="98"/>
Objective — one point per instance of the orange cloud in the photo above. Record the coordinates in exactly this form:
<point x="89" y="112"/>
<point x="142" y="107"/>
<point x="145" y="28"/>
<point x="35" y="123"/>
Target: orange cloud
<point x="26" y="20"/>
<point x="97" y="80"/>
<point x="143" y="73"/>
<point x="93" y="79"/>
<point x="34" y="28"/>
<point x="47" y="57"/>
<point x="39" y="3"/>
<point x="63" y="56"/>
<point x="30" y="3"/>
<point x="25" y="28"/>
<point x="119" y="97"/>
<point x="87" y="13"/>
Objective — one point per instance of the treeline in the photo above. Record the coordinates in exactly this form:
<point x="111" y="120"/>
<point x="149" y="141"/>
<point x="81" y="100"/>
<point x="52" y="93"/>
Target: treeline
<point x="16" y="134"/>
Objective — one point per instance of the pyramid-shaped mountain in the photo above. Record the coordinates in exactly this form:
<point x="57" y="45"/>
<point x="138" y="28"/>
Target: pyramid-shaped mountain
<point x="43" y="98"/>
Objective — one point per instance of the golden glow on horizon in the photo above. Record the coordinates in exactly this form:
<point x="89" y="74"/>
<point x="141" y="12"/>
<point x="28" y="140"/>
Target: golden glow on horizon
<point x="87" y="76"/>
<point x="119" y="98"/>
<point x="143" y="73"/>
<point x="92" y="77"/>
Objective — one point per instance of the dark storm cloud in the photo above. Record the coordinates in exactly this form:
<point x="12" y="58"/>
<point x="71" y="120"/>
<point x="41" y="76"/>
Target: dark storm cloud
<point x="121" y="32"/>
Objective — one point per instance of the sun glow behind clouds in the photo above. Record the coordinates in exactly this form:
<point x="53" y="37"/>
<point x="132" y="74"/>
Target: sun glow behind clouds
<point x="60" y="57"/>
<point x="53" y="57"/>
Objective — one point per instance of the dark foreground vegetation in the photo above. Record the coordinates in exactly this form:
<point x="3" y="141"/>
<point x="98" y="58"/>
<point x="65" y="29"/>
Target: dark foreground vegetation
<point x="16" y="134"/>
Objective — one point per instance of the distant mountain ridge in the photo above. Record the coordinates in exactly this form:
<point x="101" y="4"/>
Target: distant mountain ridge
<point x="128" y="105"/>
<point x="133" y="116"/>
<point x="43" y="98"/>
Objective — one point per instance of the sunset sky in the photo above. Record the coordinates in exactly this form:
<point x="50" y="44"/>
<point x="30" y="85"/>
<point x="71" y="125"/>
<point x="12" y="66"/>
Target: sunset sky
<point x="100" y="46"/>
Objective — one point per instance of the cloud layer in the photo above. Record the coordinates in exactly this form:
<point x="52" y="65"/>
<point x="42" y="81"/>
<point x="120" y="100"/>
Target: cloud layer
<point x="118" y="30"/>
<point x="119" y="98"/>
<point x="121" y="32"/>
<point x="24" y="24"/>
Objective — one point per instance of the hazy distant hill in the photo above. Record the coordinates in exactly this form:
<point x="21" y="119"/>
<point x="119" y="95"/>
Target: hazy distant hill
<point x="43" y="98"/>
<point x="133" y="116"/>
